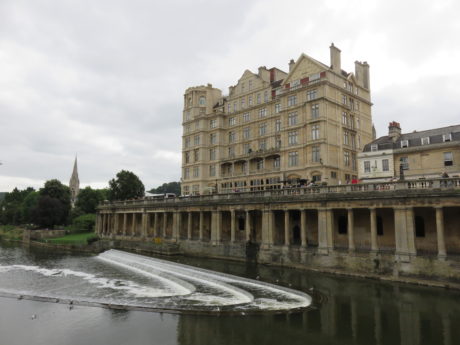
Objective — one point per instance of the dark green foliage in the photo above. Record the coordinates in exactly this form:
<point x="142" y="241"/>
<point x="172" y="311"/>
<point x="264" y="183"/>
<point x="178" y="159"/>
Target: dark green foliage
<point x="89" y="198"/>
<point x="171" y="187"/>
<point x="11" y="207"/>
<point x="85" y="222"/>
<point x="126" y="185"/>
<point x="29" y="206"/>
<point x="50" y="211"/>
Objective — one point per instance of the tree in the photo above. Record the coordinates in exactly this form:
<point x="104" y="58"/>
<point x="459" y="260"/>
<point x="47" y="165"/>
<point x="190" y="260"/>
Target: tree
<point x="11" y="206"/>
<point x="85" y="222"/>
<point x="88" y="199"/>
<point x="53" y="205"/>
<point x="171" y="187"/>
<point x="29" y="206"/>
<point x="126" y="186"/>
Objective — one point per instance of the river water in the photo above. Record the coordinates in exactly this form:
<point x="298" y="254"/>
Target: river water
<point x="214" y="302"/>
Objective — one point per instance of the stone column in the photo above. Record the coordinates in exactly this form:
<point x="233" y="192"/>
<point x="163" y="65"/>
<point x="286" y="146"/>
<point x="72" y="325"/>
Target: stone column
<point x="216" y="227"/>
<point x="103" y="224"/>
<point x="404" y="233"/>
<point x="125" y="223"/>
<point x="201" y="225"/>
<point x="155" y="224"/>
<point x="115" y="224"/>
<point x="325" y="231"/>
<point x="373" y="216"/>
<point x="267" y="228"/>
<point x="98" y="223"/>
<point x="176" y="225"/>
<point x="134" y="224"/>
<point x="189" y="225"/>
<point x="287" y="228"/>
<point x="165" y="223"/>
<point x="247" y="226"/>
<point x="303" y="228"/>
<point x="351" y="230"/>
<point x="232" y="225"/>
<point x="144" y="224"/>
<point x="440" y="232"/>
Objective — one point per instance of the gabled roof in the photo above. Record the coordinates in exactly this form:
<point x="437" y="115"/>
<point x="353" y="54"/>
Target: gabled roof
<point x="297" y="64"/>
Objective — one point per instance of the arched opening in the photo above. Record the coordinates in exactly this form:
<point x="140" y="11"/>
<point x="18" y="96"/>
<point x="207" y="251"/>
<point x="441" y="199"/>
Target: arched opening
<point x="296" y="235"/>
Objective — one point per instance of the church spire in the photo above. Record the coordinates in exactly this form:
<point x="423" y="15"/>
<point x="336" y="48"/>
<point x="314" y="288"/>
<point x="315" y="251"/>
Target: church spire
<point x="74" y="184"/>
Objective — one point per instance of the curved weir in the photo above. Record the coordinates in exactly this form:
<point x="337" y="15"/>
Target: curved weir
<point x="120" y="279"/>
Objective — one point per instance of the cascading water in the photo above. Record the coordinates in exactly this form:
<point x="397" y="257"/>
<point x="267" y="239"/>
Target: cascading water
<point x="124" y="279"/>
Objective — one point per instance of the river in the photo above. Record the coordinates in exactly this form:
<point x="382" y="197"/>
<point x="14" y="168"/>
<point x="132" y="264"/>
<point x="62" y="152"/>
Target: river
<point x="271" y="308"/>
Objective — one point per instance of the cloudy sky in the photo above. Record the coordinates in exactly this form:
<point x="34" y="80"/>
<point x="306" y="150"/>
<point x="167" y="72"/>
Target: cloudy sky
<point x="104" y="79"/>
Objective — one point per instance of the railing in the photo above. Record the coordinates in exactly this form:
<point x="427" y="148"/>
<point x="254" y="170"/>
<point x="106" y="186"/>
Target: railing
<point x="243" y="193"/>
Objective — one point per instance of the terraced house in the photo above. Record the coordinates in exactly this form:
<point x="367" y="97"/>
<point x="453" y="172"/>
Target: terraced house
<point x="276" y="129"/>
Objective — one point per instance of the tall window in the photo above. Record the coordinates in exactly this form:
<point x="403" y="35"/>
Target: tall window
<point x="262" y="112"/>
<point x="346" y="158"/>
<point x="196" y="171"/>
<point x="196" y="140"/>
<point x="212" y="154"/>
<point x="187" y="157"/>
<point x="202" y="100"/>
<point x="262" y="144"/>
<point x="353" y="141"/>
<point x="258" y="98"/>
<point x="367" y="166"/>
<point x="292" y="138"/>
<point x="247" y="133"/>
<point x="212" y="123"/>
<point x="250" y="100"/>
<point x="353" y="161"/>
<point x="196" y="155"/>
<point x="315" y="111"/>
<point x="246" y="117"/>
<point x="351" y="122"/>
<point x="404" y="163"/>
<point x="344" y="99"/>
<point x="447" y="137"/>
<point x="213" y="138"/>
<point x="404" y="143"/>
<point x="278" y="125"/>
<point x="243" y="102"/>
<point x="292" y="100"/>
<point x="265" y="96"/>
<point x="292" y="119"/>
<point x="277" y="108"/>
<point x="187" y="142"/>
<point x="448" y="159"/>
<point x="231" y="137"/>
<point x="346" y="138"/>
<point x="315" y="132"/>
<point x="260" y="164"/>
<point x="231" y="151"/>
<point x="262" y="129"/>
<point x="278" y="142"/>
<point x="315" y="154"/>
<point x="311" y="95"/>
<point x="187" y="115"/>
<point x="246" y="148"/>
<point x="235" y="106"/>
<point x="277" y="162"/>
<point x="212" y="170"/>
<point x="344" y="118"/>
<point x="385" y="165"/>
<point x="293" y="159"/>
<point x="186" y="173"/>
<point x="232" y="121"/>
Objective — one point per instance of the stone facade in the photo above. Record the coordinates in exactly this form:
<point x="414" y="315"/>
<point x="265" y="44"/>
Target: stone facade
<point x="406" y="227"/>
<point x="276" y="128"/>
<point x="416" y="155"/>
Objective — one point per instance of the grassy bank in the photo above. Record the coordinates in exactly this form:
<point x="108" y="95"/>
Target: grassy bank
<point x="76" y="239"/>
<point x="10" y="233"/>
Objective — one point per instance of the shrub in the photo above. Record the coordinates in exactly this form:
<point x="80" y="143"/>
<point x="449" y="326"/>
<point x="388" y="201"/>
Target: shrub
<point x="85" y="222"/>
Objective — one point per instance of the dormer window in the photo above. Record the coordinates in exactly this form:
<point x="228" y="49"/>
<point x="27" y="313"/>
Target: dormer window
<point x="404" y="143"/>
<point x="202" y="100"/>
<point x="426" y="141"/>
<point x="447" y="137"/>
<point x="374" y="147"/>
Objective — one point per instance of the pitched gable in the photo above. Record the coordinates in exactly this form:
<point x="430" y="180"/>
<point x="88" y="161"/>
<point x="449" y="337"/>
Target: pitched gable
<point x="304" y="67"/>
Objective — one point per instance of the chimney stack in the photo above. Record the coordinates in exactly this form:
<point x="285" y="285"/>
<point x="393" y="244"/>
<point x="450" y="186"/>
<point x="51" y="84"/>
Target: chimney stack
<point x="291" y="65"/>
<point x="394" y="130"/>
<point x="335" y="58"/>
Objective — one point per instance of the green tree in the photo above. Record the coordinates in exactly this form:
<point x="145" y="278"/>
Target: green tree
<point x="171" y="187"/>
<point x="29" y="206"/>
<point x="11" y="206"/>
<point x="85" y="222"/>
<point x="53" y="204"/>
<point x="126" y="185"/>
<point x="88" y="199"/>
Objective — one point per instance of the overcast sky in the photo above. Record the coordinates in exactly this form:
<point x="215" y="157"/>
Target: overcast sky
<point x="104" y="79"/>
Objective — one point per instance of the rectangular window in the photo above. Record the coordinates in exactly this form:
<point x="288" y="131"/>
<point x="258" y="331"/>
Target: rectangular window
<point x="385" y="165"/>
<point x="346" y="158"/>
<point x="278" y="125"/>
<point x="346" y="138"/>
<point x="344" y="118"/>
<point x="258" y="98"/>
<point x="187" y="115"/>
<point x="246" y="117"/>
<point x="260" y="164"/>
<point x="447" y="137"/>
<point x="196" y="140"/>
<point x="213" y="138"/>
<point x="196" y="171"/>
<point x="404" y="163"/>
<point x="351" y="122"/>
<point x="276" y="162"/>
<point x="315" y="111"/>
<point x="311" y="95"/>
<point x="277" y="108"/>
<point x="186" y="173"/>
<point x="374" y="147"/>
<point x="293" y="159"/>
<point x="231" y="151"/>
<point x="228" y="107"/>
<point x="315" y="154"/>
<point x="315" y="132"/>
<point x="448" y="159"/>
<point x="231" y="137"/>
<point x="246" y="148"/>
<point x="367" y="166"/>
<point x="243" y="101"/>
<point x="292" y="100"/>
<point x="263" y="129"/>
<point x="353" y="141"/>
<point x="187" y="157"/>
<point x="250" y="84"/>
<point x="425" y="141"/>
<point x="262" y="144"/>
<point x="250" y="100"/>
<point x="292" y="138"/>
<point x="212" y="170"/>
<point x="247" y="133"/>
<point x="353" y="161"/>
<point x="212" y="154"/>
<point x="187" y="142"/>
<point x="344" y="99"/>
<point x="278" y="142"/>
<point x="292" y="119"/>
<point x="404" y="143"/>
<point x="265" y="96"/>
<point x="262" y="112"/>
<point x="212" y="123"/>
<point x="235" y="106"/>
<point x="196" y="155"/>
<point x="232" y="121"/>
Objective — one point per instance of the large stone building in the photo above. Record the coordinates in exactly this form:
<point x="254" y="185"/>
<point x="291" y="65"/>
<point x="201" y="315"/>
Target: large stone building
<point x="418" y="155"/>
<point x="276" y="128"/>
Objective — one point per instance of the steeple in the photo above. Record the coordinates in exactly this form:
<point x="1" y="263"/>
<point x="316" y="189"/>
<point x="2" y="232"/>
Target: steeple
<point x="74" y="184"/>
